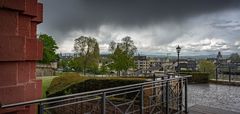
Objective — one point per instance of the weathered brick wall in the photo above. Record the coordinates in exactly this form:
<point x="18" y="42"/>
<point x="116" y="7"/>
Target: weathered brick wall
<point x="19" y="51"/>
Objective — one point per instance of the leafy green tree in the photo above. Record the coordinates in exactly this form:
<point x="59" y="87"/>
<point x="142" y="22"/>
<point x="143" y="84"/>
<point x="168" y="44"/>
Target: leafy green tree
<point x="207" y="66"/>
<point x="118" y="60"/>
<point x="76" y="64"/>
<point x="122" y="54"/>
<point x="94" y="60"/>
<point x="63" y="64"/>
<point x="104" y="69"/>
<point x="234" y="57"/>
<point x="49" y="49"/>
<point x="88" y="50"/>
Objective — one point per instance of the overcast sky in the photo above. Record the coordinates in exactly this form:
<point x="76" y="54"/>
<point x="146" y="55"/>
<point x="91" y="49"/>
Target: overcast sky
<point x="156" y="26"/>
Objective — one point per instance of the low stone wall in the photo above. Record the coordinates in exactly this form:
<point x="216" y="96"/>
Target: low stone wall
<point x="46" y="69"/>
<point x="45" y="72"/>
<point x="225" y="82"/>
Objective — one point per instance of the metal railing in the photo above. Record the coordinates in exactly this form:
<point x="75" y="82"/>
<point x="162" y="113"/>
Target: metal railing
<point x="230" y="73"/>
<point x="160" y="96"/>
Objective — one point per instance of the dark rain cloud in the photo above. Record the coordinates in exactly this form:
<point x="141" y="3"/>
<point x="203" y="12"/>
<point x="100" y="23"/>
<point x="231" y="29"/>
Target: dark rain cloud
<point x="64" y="16"/>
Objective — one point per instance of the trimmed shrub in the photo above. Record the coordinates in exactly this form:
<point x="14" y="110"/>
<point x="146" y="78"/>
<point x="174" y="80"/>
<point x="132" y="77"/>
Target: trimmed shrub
<point x="64" y="81"/>
<point x="64" y="85"/>
<point x="197" y="77"/>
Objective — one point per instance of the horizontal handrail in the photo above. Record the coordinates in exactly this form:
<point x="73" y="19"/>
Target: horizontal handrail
<point x="44" y="100"/>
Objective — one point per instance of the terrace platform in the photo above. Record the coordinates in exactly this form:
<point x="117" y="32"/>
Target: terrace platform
<point x="199" y="109"/>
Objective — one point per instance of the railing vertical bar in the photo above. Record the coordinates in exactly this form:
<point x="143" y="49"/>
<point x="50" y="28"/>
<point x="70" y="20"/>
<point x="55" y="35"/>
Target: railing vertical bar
<point x="229" y="73"/>
<point x="141" y="100"/>
<point x="154" y="91"/>
<point x="181" y="94"/>
<point x="167" y="97"/>
<point x="162" y="95"/>
<point x="217" y="74"/>
<point x="186" y="95"/>
<point x="40" y="108"/>
<point x="104" y="103"/>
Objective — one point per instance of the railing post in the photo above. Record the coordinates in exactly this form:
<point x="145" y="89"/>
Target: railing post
<point x="162" y="95"/>
<point x="154" y="84"/>
<point x="181" y="94"/>
<point x="141" y="100"/>
<point x="40" y="109"/>
<point x="216" y="73"/>
<point x="104" y="103"/>
<point x="167" y="97"/>
<point x="186" y="95"/>
<point x="229" y="72"/>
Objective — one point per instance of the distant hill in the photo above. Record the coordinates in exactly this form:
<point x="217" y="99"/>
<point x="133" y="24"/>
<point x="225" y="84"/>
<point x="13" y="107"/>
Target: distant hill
<point x="162" y="56"/>
<point x="197" y="57"/>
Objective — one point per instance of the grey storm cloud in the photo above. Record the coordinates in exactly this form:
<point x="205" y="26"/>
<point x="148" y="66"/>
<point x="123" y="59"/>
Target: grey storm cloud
<point x="66" y="15"/>
<point x="153" y="24"/>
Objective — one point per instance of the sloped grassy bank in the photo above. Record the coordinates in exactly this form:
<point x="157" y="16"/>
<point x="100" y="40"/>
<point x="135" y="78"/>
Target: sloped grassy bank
<point x="71" y="83"/>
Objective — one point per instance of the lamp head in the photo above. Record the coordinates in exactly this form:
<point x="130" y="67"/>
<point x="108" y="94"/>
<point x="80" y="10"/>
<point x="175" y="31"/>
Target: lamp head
<point x="178" y="49"/>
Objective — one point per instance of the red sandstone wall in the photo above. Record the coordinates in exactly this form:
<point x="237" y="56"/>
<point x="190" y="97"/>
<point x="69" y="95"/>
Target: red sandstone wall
<point x="19" y="51"/>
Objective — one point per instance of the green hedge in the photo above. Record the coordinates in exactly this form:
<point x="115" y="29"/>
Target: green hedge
<point x="74" y="84"/>
<point x="64" y="81"/>
<point x="197" y="77"/>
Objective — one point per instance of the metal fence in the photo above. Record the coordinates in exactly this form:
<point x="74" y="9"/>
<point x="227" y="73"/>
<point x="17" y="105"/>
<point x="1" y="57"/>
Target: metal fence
<point x="230" y="73"/>
<point x="166" y="96"/>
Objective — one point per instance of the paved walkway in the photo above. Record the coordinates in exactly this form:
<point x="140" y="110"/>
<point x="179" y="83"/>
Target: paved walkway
<point x="198" y="109"/>
<point x="223" y="97"/>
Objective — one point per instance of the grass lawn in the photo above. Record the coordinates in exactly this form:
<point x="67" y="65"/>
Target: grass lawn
<point x="46" y="81"/>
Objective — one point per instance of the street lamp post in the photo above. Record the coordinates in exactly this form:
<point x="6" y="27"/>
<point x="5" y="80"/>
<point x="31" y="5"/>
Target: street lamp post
<point x="180" y="86"/>
<point x="178" y="52"/>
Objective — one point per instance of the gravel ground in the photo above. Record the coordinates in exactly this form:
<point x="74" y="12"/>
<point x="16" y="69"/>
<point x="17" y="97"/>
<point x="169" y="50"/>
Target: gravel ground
<point x="218" y="96"/>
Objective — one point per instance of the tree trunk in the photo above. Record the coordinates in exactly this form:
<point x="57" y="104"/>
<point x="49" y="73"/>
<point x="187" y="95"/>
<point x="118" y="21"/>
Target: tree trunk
<point x="84" y="73"/>
<point x="84" y="67"/>
<point x="118" y="73"/>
